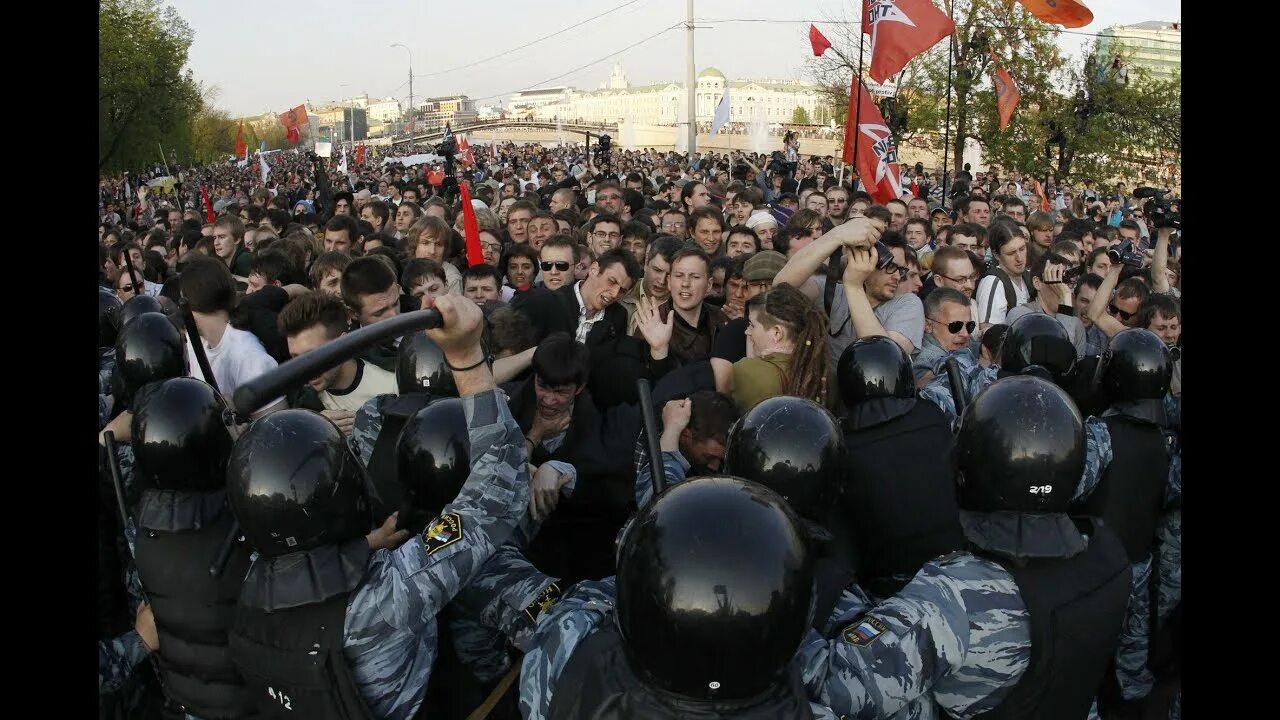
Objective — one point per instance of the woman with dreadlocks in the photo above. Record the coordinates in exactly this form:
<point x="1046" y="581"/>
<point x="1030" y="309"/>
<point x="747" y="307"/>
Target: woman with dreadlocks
<point x="786" y="350"/>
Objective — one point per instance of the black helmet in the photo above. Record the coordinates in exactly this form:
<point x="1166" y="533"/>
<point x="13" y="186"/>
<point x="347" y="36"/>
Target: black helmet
<point x="108" y="318"/>
<point x="138" y="305"/>
<point x="874" y="367"/>
<point x="1020" y="447"/>
<point x="1137" y="366"/>
<point x="179" y="439"/>
<point x="792" y="446"/>
<point x="295" y="485"/>
<point x="1035" y="341"/>
<point x="148" y="349"/>
<point x="715" y="589"/>
<point x="433" y="462"/>
<point x="421" y="367"/>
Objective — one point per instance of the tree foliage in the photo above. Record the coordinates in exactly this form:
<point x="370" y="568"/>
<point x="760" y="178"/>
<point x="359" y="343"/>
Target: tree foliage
<point x="145" y="97"/>
<point x="799" y="116"/>
<point x="1071" y="120"/>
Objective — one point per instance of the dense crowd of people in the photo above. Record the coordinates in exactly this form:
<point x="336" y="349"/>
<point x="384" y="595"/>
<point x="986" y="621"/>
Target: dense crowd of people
<point x="918" y="458"/>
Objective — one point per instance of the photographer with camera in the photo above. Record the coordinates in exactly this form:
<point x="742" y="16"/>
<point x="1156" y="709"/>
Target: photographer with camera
<point x="1052" y="277"/>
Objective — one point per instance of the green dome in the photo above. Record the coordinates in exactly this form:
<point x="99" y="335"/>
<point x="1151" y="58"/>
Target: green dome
<point x="711" y="72"/>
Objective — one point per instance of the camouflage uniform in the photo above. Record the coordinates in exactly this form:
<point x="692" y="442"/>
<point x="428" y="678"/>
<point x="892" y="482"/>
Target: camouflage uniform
<point x="365" y="429"/>
<point x="673" y="463"/>
<point x="1169" y="551"/>
<point x="477" y="641"/>
<point x="1136" y="679"/>
<point x="957" y="637"/>
<point x="106" y="366"/>
<point x="390" y="628"/>
<point x="976" y="379"/>
<point x="117" y="658"/>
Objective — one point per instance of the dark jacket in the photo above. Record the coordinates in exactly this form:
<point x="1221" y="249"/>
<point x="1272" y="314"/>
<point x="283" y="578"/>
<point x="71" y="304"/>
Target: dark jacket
<point x="689" y="343"/>
<point x="617" y="359"/>
<point x="577" y="541"/>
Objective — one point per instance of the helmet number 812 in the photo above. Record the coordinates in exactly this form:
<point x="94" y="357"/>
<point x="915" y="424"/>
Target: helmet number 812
<point x="1041" y="489"/>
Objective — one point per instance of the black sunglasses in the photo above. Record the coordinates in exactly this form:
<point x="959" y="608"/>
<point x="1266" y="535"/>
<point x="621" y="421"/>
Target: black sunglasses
<point x="954" y="327"/>
<point x="561" y="265"/>
<point x="1117" y="311"/>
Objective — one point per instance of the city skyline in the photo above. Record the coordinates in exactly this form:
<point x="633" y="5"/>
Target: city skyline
<point x="276" y="61"/>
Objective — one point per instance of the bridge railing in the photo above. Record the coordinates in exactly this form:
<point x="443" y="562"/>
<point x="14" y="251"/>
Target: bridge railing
<point x="438" y="133"/>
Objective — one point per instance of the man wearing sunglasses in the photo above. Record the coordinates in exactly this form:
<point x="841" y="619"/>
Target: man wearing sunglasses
<point x="948" y="326"/>
<point x="556" y="260"/>
<point x="1053" y="297"/>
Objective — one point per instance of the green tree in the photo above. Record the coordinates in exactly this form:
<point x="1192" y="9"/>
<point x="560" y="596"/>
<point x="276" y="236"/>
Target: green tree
<point x="1103" y="128"/>
<point x="799" y="116"/>
<point x="1025" y="45"/>
<point x="145" y="97"/>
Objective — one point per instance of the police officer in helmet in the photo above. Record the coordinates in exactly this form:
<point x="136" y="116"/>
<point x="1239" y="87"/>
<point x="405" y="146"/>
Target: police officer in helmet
<point x="1021" y="624"/>
<point x="334" y="623"/>
<point x="1134" y="487"/>
<point x="1035" y="344"/>
<point x="181" y="447"/>
<point x="899" y="494"/>
<point x="421" y="376"/>
<point x="714" y="594"/>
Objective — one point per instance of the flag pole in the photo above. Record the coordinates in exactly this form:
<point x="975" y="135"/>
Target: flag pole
<point x="857" y="108"/>
<point x="946" y="128"/>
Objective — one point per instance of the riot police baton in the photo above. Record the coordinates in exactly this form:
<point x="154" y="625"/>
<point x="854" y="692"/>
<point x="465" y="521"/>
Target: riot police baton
<point x="252" y="395"/>
<point x="197" y="345"/>
<point x="659" y="474"/>
<point x="957" y="386"/>
<point x="113" y="464"/>
<point x="133" y="275"/>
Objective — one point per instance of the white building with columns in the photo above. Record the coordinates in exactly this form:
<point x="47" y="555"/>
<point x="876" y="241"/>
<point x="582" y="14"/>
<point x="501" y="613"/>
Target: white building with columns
<point x="660" y="103"/>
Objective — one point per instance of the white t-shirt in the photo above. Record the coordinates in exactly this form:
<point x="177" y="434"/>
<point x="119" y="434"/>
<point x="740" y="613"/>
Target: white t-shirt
<point x="370" y="380"/>
<point x="992" y="306"/>
<point x="238" y="358"/>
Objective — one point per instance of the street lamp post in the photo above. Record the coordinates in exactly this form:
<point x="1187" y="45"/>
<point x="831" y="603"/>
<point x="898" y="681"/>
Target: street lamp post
<point x="406" y="48"/>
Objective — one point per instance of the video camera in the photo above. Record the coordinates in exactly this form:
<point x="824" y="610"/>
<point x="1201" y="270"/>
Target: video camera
<point x="1159" y="208"/>
<point x="603" y="157"/>
<point x="1125" y="254"/>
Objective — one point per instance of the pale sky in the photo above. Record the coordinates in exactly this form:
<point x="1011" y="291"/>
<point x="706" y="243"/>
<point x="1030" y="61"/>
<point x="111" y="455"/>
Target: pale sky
<point x="266" y="56"/>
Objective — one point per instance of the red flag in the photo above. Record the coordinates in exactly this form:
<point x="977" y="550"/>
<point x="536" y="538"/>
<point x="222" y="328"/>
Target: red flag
<point x="819" y="41"/>
<point x="294" y="117"/>
<point x="866" y="14"/>
<point x="1007" y="94"/>
<point x="1067" y="13"/>
<point x="241" y="148"/>
<point x="209" y="214"/>
<point x="435" y="178"/>
<point x="293" y="136"/>
<point x="901" y="30"/>
<point x="471" y="229"/>
<point x="877" y="166"/>
<point x="360" y="154"/>
<point x="464" y="149"/>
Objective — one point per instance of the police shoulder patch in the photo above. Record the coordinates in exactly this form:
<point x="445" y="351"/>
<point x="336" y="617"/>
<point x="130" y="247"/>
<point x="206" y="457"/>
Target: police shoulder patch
<point x="540" y="604"/>
<point x="445" y="531"/>
<point x="865" y="631"/>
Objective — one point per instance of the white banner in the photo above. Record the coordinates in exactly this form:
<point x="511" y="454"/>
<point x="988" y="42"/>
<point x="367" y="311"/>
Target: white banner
<point x="324" y="149"/>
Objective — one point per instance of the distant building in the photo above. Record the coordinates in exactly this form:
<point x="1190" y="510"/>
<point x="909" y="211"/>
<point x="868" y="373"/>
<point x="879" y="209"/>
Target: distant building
<point x="454" y="110"/>
<point x="383" y="111"/>
<point x="340" y="123"/>
<point x="1154" y="46"/>
<point x="775" y="101"/>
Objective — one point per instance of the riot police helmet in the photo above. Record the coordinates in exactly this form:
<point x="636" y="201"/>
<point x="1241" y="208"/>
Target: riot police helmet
<point x="874" y="367"/>
<point x="108" y="318"/>
<point x="1020" y="448"/>
<point x="1137" y="366"/>
<point x="294" y="484"/>
<point x="1037" y="344"/>
<point x="420" y="367"/>
<point x="792" y="446"/>
<point x="148" y="349"/>
<point x="715" y="589"/>
<point x="139" y="305"/>
<point x="433" y="462"/>
<point x="180" y="440"/>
